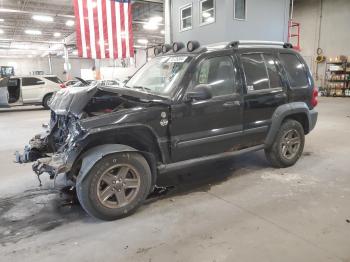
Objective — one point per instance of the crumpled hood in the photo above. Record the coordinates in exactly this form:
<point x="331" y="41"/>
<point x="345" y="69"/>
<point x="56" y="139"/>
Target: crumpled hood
<point x="72" y="100"/>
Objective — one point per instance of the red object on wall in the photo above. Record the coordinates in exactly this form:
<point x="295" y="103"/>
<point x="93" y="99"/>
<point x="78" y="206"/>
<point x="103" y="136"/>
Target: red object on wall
<point x="294" y="34"/>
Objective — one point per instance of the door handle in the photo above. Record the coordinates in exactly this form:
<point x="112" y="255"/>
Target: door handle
<point x="232" y="104"/>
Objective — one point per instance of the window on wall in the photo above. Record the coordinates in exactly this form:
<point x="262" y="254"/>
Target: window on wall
<point x="240" y="9"/>
<point x="186" y="17"/>
<point x="207" y="11"/>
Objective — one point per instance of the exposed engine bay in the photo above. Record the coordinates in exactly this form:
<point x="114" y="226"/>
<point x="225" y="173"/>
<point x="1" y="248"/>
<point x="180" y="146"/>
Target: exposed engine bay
<point x="51" y="150"/>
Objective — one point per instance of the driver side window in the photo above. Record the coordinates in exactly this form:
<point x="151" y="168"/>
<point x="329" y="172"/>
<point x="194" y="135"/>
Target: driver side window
<point x="219" y="73"/>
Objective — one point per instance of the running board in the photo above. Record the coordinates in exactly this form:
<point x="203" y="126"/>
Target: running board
<point x="196" y="161"/>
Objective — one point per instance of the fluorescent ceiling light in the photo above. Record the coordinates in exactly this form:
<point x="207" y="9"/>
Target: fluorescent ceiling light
<point x="1" y="31"/>
<point x="57" y="34"/>
<point x="42" y="18"/>
<point x="32" y="32"/>
<point x="2" y="19"/>
<point x="150" y="26"/>
<point x="69" y="23"/>
<point x="162" y="32"/>
<point x="142" y="41"/>
<point x="156" y="19"/>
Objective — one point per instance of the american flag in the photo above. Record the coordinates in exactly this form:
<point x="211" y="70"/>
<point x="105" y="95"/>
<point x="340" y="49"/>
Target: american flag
<point x="104" y="28"/>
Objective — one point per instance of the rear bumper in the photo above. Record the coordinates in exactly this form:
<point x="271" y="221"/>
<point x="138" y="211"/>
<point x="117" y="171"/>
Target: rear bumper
<point x="312" y="119"/>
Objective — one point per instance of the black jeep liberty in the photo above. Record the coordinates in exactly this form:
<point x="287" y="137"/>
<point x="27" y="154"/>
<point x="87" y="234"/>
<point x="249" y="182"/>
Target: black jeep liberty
<point x="187" y="105"/>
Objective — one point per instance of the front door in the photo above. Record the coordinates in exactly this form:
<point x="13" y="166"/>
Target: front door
<point x="202" y="128"/>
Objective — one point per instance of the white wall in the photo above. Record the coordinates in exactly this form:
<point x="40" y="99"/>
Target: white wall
<point x="113" y="68"/>
<point x="335" y="36"/>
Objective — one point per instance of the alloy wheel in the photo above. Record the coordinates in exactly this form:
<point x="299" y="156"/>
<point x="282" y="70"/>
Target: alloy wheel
<point x="118" y="186"/>
<point x="290" y="144"/>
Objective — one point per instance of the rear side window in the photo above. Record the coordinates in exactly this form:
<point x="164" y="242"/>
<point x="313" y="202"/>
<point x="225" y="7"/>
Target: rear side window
<point x="271" y="65"/>
<point x="260" y="71"/>
<point x="295" y="70"/>
<point x="255" y="72"/>
<point x="31" y="81"/>
<point x="54" y="79"/>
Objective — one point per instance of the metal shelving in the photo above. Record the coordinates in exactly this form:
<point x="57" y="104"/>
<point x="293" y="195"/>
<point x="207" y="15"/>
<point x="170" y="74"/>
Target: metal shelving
<point x="337" y="78"/>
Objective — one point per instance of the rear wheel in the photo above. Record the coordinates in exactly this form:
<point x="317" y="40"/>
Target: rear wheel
<point x="288" y="145"/>
<point x="46" y="101"/>
<point x="116" y="186"/>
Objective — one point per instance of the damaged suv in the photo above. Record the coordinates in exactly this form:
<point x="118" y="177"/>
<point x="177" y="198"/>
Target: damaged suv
<point x="187" y="105"/>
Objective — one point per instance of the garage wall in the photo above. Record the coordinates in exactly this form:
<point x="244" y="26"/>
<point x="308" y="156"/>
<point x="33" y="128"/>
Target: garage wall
<point x="334" y="34"/>
<point x="26" y="65"/>
<point x="266" y="20"/>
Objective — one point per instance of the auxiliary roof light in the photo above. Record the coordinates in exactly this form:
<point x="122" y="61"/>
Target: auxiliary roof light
<point x="166" y="48"/>
<point x="177" y="46"/>
<point x="192" y="45"/>
<point x="157" y="50"/>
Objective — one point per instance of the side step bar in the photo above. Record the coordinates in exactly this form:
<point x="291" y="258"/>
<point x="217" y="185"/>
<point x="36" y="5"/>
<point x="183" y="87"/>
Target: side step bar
<point x="196" y="161"/>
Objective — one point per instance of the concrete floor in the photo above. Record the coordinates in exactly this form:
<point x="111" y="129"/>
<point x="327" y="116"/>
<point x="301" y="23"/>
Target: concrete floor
<point x="236" y="210"/>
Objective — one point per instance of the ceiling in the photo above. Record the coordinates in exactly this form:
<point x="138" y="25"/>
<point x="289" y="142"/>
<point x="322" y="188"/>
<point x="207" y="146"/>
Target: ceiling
<point x="16" y="18"/>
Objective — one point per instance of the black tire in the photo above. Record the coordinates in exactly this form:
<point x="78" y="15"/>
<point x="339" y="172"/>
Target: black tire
<point x="89" y="190"/>
<point x="46" y="101"/>
<point x="277" y="155"/>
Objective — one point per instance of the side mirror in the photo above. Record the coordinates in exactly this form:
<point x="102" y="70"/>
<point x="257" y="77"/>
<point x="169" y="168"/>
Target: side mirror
<point x="200" y="92"/>
<point x="40" y="83"/>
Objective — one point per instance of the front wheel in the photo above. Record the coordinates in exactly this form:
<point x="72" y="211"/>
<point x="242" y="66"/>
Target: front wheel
<point x="288" y="145"/>
<point x="116" y="186"/>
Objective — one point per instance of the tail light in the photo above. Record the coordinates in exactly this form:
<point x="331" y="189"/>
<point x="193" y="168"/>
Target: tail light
<point x="62" y="85"/>
<point x="314" y="99"/>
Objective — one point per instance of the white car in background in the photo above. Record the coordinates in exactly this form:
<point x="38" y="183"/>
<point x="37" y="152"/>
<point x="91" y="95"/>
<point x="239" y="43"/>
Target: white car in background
<point x="29" y="90"/>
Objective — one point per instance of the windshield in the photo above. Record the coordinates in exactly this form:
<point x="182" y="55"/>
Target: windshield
<point x="160" y="75"/>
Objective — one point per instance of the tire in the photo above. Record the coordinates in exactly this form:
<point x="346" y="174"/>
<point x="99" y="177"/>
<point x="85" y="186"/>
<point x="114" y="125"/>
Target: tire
<point x="46" y="101"/>
<point x="93" y="192"/>
<point x="282" y="153"/>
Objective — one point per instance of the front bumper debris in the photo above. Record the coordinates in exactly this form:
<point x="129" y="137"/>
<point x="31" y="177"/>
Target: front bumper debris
<point x="52" y="165"/>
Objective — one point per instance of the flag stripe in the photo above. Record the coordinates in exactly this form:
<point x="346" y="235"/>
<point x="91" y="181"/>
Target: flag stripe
<point x="78" y="28"/>
<point x="87" y="29"/>
<point x="131" y="37"/>
<point x="122" y="29"/>
<point x="97" y="30"/>
<point x="118" y="34"/>
<point x="104" y="28"/>
<point x="114" y="27"/>
<point x="92" y="29"/>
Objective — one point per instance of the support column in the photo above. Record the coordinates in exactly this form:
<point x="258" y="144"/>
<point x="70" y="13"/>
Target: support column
<point x="50" y="64"/>
<point x="67" y="66"/>
<point x="97" y="68"/>
<point x="167" y="21"/>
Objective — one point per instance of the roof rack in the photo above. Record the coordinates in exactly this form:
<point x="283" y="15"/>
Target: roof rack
<point x="236" y="44"/>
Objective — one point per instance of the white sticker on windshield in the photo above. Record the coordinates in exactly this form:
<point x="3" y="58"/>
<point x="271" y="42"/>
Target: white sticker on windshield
<point x="177" y="59"/>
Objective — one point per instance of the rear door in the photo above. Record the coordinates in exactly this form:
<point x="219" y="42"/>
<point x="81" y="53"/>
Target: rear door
<point x="265" y="91"/>
<point x="202" y="128"/>
<point x="32" y="89"/>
